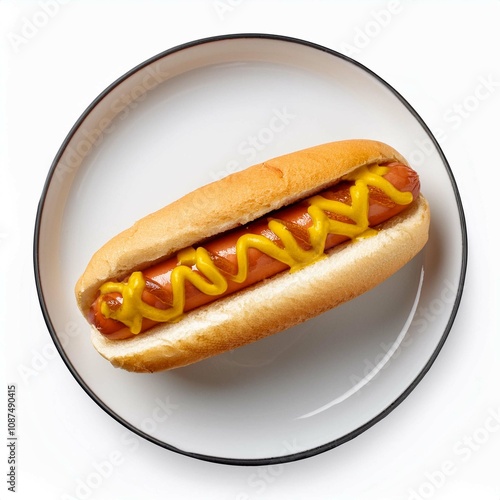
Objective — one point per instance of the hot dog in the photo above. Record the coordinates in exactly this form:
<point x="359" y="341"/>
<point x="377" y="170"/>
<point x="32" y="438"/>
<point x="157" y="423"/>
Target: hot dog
<point x="294" y="219"/>
<point x="170" y="290"/>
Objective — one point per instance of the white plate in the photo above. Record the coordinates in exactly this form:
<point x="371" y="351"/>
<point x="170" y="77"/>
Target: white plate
<point x="193" y="114"/>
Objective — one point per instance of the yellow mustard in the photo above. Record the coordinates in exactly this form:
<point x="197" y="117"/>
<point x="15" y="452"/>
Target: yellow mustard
<point x="211" y="281"/>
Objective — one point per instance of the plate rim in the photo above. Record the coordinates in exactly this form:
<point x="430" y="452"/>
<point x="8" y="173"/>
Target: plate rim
<point x="295" y="456"/>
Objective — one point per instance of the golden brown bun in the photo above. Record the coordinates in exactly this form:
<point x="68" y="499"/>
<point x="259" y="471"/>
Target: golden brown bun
<point x="275" y="304"/>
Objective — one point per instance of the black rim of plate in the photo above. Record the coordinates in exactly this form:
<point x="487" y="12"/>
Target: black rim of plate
<point x="254" y="461"/>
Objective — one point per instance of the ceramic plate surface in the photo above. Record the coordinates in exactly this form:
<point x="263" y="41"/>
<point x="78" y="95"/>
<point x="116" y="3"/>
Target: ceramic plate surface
<point x="194" y="114"/>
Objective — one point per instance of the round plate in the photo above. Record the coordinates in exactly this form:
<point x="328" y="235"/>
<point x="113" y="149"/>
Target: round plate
<point x="194" y="114"/>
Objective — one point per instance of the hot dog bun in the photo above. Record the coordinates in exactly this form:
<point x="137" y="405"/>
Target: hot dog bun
<point x="270" y="306"/>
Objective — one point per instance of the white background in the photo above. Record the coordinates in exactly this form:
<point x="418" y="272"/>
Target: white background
<point x="443" y="441"/>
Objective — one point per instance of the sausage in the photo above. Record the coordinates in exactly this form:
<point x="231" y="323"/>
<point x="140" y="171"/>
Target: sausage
<point x="222" y="250"/>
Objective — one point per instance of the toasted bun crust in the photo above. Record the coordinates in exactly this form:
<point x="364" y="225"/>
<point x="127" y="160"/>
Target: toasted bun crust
<point x="224" y="204"/>
<point x="275" y="304"/>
